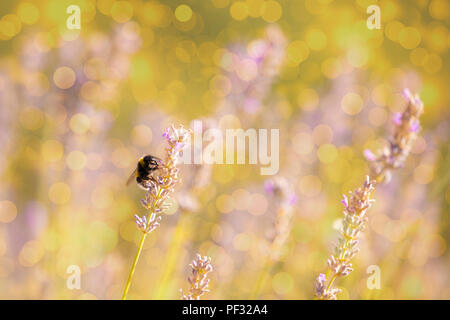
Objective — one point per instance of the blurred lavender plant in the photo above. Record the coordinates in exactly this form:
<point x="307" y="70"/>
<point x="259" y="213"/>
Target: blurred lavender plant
<point x="200" y="174"/>
<point x="407" y="126"/>
<point x="198" y="281"/>
<point x="355" y="219"/>
<point x="285" y="199"/>
<point x="260" y="63"/>
<point x="159" y="188"/>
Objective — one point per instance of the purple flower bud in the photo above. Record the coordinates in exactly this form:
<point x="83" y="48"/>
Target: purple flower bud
<point x="179" y="145"/>
<point x="407" y="94"/>
<point x="269" y="186"/>
<point x="418" y="101"/>
<point x="415" y="126"/>
<point x="321" y="277"/>
<point x="369" y="155"/>
<point x="397" y="118"/>
<point x="345" y="201"/>
<point x="166" y="133"/>
<point x="293" y="199"/>
<point x="319" y="285"/>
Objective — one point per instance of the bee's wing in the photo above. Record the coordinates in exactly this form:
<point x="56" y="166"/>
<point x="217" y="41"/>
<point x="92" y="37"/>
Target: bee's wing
<point x="132" y="177"/>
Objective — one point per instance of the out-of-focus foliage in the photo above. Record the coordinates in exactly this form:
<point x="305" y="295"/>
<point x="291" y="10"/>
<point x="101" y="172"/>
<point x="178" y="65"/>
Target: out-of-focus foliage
<point x="79" y="107"/>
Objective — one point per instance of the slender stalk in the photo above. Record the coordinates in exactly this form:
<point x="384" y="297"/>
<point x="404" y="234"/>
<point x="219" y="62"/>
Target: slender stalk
<point x="172" y="256"/>
<point x="331" y="281"/>
<point x="141" y="245"/>
<point x="285" y="199"/>
<point x="133" y="267"/>
<point x="158" y="189"/>
<point x="261" y="279"/>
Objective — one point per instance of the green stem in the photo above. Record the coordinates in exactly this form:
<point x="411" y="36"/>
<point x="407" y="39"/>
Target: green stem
<point x="341" y="257"/>
<point x="172" y="256"/>
<point x="141" y="245"/>
<point x="331" y="282"/>
<point x="133" y="267"/>
<point x="261" y="279"/>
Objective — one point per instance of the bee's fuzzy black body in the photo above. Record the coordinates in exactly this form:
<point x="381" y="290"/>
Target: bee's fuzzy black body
<point x="145" y="167"/>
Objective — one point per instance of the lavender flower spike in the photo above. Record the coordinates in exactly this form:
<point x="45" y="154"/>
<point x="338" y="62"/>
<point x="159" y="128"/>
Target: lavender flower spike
<point x="406" y="128"/>
<point x="158" y="190"/>
<point x="355" y="219"/>
<point x="320" y="286"/>
<point x="198" y="281"/>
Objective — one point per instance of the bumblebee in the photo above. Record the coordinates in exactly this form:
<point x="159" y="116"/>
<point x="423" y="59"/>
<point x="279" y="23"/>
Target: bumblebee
<point x="145" y="168"/>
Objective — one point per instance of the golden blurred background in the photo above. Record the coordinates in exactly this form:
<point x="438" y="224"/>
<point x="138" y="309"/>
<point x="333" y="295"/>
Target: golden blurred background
<point x="79" y="107"/>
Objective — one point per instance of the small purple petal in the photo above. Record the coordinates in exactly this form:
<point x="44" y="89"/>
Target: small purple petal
<point x="369" y="155"/>
<point x="345" y="201"/>
<point x="415" y="126"/>
<point x="292" y="200"/>
<point x="418" y="101"/>
<point x="397" y="118"/>
<point x="269" y="186"/>
<point x="321" y="277"/>
<point x="166" y="133"/>
<point x="407" y="94"/>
